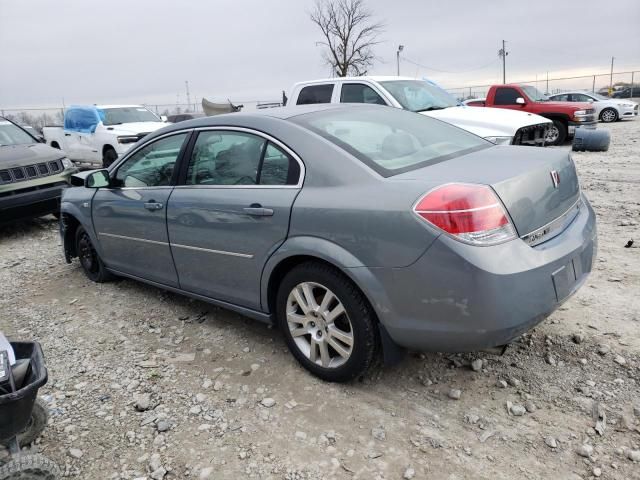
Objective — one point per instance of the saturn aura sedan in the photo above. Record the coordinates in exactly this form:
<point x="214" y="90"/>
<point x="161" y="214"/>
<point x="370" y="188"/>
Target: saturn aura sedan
<point x="359" y="230"/>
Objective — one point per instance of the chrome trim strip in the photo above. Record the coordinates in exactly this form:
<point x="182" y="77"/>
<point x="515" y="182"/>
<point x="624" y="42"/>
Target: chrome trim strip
<point x="123" y="237"/>
<point x="266" y="136"/>
<point x="554" y="227"/>
<point x="209" y="250"/>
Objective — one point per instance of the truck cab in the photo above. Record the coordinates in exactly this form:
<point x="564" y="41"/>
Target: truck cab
<point x="99" y="134"/>
<point x="426" y="98"/>
<point x="566" y="116"/>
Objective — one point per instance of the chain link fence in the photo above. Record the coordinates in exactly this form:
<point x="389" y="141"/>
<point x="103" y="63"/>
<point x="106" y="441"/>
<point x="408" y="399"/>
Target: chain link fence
<point x="602" y="83"/>
<point x="599" y="83"/>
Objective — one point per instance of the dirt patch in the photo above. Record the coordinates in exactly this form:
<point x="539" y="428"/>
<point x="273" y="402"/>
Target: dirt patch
<point x="148" y="384"/>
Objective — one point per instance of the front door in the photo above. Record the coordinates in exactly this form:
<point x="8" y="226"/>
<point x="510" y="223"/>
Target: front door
<point x="230" y="213"/>
<point x="130" y="218"/>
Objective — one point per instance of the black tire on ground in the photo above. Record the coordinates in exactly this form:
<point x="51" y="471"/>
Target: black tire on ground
<point x="609" y="115"/>
<point x="90" y="261"/>
<point x="586" y="140"/>
<point x="364" y="328"/>
<point x="557" y="133"/>
<point x="37" y="423"/>
<point x="29" y="467"/>
<point x="108" y="157"/>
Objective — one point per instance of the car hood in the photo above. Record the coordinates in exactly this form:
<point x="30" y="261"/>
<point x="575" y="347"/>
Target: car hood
<point x="576" y="105"/>
<point x="24" y="155"/>
<point x="619" y="101"/>
<point x="487" y="122"/>
<point x="136" y="127"/>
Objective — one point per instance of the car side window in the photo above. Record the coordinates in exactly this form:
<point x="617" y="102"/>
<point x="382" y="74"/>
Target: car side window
<point x="506" y="96"/>
<point x="562" y="98"/>
<point x="225" y="158"/>
<point x="359" y="93"/>
<point x="278" y="168"/>
<point x="313" y="94"/>
<point x="151" y="166"/>
<point x="580" y="97"/>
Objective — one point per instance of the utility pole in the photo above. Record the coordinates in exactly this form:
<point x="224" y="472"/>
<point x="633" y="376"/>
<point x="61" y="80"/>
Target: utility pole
<point x="503" y="53"/>
<point x="186" y="82"/>
<point x="400" y="48"/>
<point x="611" y="77"/>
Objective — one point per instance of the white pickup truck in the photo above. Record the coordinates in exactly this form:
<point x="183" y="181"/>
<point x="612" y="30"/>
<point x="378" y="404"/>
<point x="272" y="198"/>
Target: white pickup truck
<point x="499" y="126"/>
<point x="99" y="134"/>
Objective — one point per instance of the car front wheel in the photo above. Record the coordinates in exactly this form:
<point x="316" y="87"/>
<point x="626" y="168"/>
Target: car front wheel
<point x="328" y="324"/>
<point x="556" y="133"/>
<point x="608" y="115"/>
<point x="91" y="263"/>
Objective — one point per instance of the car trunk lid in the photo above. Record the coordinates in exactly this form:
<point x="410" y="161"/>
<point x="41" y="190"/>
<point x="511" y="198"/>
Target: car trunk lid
<point x="536" y="186"/>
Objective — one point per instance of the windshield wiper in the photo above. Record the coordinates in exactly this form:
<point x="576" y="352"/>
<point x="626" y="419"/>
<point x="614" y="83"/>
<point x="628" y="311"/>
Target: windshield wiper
<point x="428" y="109"/>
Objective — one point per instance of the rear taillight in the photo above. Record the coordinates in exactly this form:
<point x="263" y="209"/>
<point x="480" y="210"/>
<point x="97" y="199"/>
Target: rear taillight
<point x="470" y="213"/>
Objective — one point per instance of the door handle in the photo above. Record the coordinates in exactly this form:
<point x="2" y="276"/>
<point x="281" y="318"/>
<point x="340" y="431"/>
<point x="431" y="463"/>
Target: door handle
<point x="257" y="210"/>
<point x="153" y="205"/>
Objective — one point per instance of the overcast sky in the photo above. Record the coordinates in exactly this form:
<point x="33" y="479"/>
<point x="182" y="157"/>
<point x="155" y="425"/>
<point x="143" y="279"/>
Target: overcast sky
<point x="142" y="51"/>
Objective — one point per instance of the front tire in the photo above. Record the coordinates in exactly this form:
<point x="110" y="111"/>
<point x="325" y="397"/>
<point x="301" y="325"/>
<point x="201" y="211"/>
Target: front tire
<point x="327" y="322"/>
<point x="556" y="134"/>
<point x="609" y="115"/>
<point x="29" y="467"/>
<point x="90" y="261"/>
<point x="108" y="157"/>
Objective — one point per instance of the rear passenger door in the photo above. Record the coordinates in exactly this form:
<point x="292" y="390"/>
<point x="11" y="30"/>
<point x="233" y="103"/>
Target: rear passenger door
<point x="231" y="212"/>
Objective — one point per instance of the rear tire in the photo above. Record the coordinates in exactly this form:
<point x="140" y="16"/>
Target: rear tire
<point x="90" y="261"/>
<point x="108" y="157"/>
<point x="29" y="467"/>
<point x="334" y="346"/>
<point x="556" y="134"/>
<point x="609" y="115"/>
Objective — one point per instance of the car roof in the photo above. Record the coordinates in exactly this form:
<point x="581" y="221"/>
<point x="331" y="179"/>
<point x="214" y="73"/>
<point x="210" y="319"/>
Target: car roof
<point x="375" y="78"/>
<point x="281" y="113"/>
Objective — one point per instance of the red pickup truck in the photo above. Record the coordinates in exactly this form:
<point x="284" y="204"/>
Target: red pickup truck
<point x="566" y="116"/>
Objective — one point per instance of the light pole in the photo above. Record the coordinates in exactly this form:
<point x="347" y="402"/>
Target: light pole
<point x="400" y="48"/>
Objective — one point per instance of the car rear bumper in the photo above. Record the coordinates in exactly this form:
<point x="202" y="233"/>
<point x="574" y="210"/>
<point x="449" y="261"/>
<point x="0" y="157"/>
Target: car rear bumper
<point x="31" y="202"/>
<point x="459" y="297"/>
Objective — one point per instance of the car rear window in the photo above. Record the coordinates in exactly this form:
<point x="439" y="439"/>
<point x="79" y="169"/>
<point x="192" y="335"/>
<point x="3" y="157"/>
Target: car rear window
<point x="390" y="140"/>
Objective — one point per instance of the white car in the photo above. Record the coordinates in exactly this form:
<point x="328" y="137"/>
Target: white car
<point x="99" y="134"/>
<point x="607" y="109"/>
<point x="496" y="125"/>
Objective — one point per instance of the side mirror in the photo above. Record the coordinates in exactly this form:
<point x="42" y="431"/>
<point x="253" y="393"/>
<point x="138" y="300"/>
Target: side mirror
<point x="97" y="179"/>
<point x="163" y="118"/>
<point x="520" y="101"/>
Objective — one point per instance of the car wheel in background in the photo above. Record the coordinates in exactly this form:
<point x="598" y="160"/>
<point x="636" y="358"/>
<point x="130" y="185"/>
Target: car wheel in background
<point x="609" y="115"/>
<point x="556" y="133"/>
<point x="328" y="324"/>
<point x="91" y="263"/>
<point x="108" y="157"/>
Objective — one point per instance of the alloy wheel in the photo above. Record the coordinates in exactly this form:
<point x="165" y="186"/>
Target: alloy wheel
<point x="608" y="116"/>
<point x="552" y="135"/>
<point x="319" y="325"/>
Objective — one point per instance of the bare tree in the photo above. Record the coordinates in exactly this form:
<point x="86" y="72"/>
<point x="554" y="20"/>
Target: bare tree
<point x="350" y="34"/>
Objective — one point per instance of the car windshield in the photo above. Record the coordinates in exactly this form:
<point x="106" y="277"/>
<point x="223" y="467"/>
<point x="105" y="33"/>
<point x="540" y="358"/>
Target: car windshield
<point x="534" y="94"/>
<point x="391" y="141"/>
<point x="116" y="116"/>
<point x="12" y="135"/>
<point x="418" y="95"/>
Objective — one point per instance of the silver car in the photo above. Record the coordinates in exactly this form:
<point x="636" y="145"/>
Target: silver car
<point x="607" y="109"/>
<point x="356" y="229"/>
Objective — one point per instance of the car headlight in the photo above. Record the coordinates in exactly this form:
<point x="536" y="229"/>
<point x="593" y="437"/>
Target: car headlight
<point x="499" y="140"/>
<point x="579" y="112"/>
<point x="66" y="163"/>
<point x="128" y="139"/>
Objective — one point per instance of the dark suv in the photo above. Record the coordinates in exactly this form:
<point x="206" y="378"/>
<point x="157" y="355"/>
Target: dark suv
<point x="32" y="175"/>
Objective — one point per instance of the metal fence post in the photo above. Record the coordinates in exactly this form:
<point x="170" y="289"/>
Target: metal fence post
<point x="631" y="94"/>
<point x="593" y="86"/>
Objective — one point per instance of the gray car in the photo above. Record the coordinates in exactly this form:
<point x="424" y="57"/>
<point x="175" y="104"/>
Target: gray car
<point x="356" y="229"/>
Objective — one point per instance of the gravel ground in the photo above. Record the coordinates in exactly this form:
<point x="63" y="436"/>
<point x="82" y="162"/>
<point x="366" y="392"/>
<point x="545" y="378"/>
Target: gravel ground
<point x="145" y="384"/>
